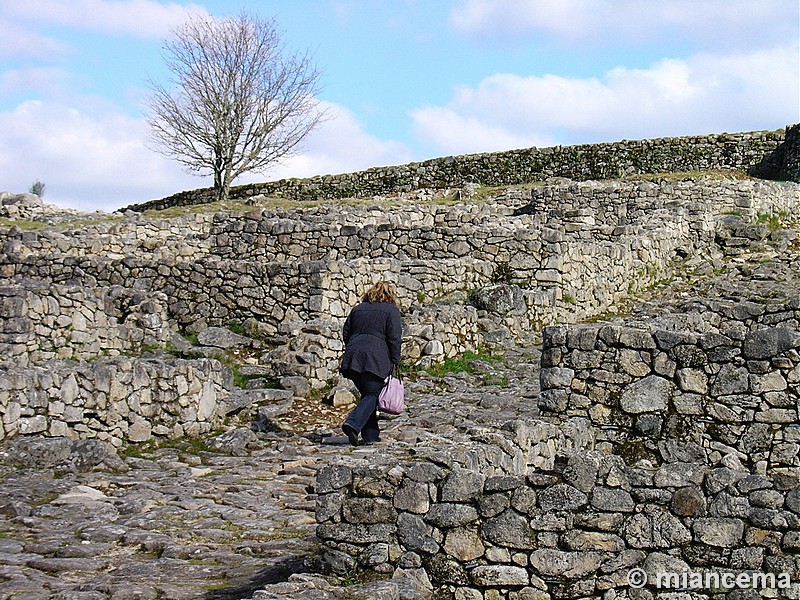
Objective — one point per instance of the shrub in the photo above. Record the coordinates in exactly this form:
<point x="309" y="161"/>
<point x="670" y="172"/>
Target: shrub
<point x="37" y="187"/>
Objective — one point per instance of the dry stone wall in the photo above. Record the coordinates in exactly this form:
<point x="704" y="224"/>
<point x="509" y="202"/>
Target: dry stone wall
<point x="663" y="462"/>
<point x="469" y="272"/>
<point x="468" y="275"/>
<point x="306" y="265"/>
<point x="43" y="322"/>
<point x="733" y="387"/>
<point x="761" y="154"/>
<point x="574" y="529"/>
<point x="114" y="399"/>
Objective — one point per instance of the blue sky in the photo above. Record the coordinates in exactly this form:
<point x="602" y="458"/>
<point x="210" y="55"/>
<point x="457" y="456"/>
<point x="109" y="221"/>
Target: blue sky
<point x="403" y="80"/>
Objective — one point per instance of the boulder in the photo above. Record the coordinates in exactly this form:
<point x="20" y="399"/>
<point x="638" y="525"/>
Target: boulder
<point x="501" y="299"/>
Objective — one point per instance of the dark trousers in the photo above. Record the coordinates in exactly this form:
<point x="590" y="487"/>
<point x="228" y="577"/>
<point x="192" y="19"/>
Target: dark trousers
<point x="364" y="417"/>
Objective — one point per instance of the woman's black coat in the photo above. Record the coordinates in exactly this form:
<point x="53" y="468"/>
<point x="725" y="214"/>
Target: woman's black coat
<point x="372" y="336"/>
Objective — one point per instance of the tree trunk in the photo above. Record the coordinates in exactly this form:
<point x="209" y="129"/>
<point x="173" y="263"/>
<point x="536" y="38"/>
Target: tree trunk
<point x="221" y="186"/>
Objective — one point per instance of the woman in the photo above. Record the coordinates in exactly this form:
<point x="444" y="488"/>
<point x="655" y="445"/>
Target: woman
<point x="372" y="338"/>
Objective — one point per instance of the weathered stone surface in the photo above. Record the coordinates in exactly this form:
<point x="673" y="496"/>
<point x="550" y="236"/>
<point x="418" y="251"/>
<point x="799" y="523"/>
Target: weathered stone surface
<point x="412" y="497"/>
<point x="612" y="500"/>
<point x="651" y="394"/>
<point x="448" y="515"/>
<point x="220" y="337"/>
<point x="767" y="343"/>
<point x="462" y="485"/>
<point x="499" y="576"/>
<point x="724" y="533"/>
<point x="561" y="497"/>
<point x="464" y="544"/>
<point x="689" y="502"/>
<point x="502" y="299"/>
<point x="655" y="529"/>
<point x="509" y="529"/>
<point x="551" y="562"/>
<point x="415" y="535"/>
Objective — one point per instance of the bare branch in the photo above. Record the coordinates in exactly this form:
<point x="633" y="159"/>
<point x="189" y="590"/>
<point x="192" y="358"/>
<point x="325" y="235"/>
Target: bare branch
<point x="237" y="101"/>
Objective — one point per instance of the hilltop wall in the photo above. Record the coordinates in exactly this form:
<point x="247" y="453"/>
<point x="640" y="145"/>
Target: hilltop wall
<point x="760" y="154"/>
<point x="569" y="249"/>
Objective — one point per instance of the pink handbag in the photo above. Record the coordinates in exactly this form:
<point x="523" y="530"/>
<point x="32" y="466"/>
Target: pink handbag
<point x="391" y="400"/>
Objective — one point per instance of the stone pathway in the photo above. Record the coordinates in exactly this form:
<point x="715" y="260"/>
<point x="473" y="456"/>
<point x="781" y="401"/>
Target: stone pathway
<point x="180" y="523"/>
<point x="175" y="525"/>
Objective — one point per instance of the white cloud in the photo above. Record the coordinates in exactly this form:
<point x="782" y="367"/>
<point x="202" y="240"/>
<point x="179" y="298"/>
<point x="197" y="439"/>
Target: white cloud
<point x="564" y="17"/>
<point x="137" y="18"/>
<point x="703" y="94"/>
<point x="740" y="23"/>
<point x="97" y="160"/>
<point x="26" y="42"/>
<point x="456" y="133"/>
<point x="38" y="81"/>
<point x="339" y="145"/>
<point x="87" y="161"/>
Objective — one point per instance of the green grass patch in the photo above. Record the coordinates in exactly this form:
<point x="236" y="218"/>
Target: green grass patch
<point x="358" y="577"/>
<point x="773" y="221"/>
<point x="188" y="445"/>
<point x="240" y="380"/>
<point x="462" y="364"/>
<point x="22" y="224"/>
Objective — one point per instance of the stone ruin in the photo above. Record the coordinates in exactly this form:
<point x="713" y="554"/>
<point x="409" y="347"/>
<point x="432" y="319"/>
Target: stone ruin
<point x="668" y="444"/>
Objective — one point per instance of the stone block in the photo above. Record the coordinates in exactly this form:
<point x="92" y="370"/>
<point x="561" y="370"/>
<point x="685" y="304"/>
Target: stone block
<point x="464" y="544"/>
<point x="651" y="394"/>
<point x="723" y="533"/>
<point x="462" y="485"/>
<point x="559" y="563"/>
<point x="510" y="530"/>
<point x="499" y="576"/>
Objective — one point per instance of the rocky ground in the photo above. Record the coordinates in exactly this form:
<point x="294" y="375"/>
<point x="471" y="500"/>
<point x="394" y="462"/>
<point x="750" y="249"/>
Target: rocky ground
<point x="232" y="516"/>
<point x="223" y="521"/>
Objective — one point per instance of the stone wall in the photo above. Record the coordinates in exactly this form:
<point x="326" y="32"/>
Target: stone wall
<point x="113" y="399"/>
<point x="41" y="322"/>
<point x="733" y="388"/>
<point x="575" y="529"/>
<point x="670" y="449"/>
<point x="791" y="158"/>
<point x="561" y="251"/>
<point x="571" y="248"/>
<point x="759" y="153"/>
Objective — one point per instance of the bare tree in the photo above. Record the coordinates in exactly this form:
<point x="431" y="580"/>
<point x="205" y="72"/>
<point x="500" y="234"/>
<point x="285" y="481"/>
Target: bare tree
<point x="237" y="103"/>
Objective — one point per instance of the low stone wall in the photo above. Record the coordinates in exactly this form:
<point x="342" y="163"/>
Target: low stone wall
<point x="575" y="528"/>
<point x="113" y="399"/>
<point x="759" y="153"/>
<point x="733" y="388"/>
<point x="40" y="322"/>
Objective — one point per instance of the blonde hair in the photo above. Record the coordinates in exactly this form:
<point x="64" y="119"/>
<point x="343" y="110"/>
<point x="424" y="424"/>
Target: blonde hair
<point x="383" y="291"/>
